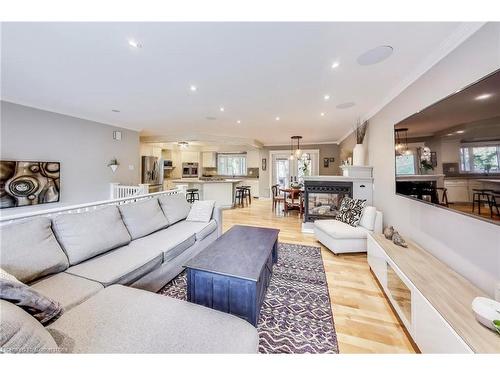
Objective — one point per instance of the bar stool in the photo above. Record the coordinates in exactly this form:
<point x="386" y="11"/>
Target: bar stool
<point x="495" y="200"/>
<point x="247" y="193"/>
<point x="444" y="199"/>
<point x="478" y="196"/>
<point x="238" y="196"/>
<point x="192" y="195"/>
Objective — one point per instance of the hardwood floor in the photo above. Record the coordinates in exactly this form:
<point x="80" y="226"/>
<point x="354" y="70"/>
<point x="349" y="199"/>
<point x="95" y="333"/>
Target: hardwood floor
<point x="364" y="320"/>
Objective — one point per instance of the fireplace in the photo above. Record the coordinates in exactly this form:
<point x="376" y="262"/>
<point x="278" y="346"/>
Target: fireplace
<point x="322" y="198"/>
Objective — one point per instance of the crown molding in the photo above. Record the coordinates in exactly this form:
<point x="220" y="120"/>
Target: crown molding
<point x="462" y="33"/>
<point x="302" y="143"/>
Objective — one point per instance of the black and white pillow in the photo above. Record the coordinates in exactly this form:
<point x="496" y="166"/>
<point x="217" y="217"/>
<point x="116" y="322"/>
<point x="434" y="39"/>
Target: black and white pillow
<point x="350" y="211"/>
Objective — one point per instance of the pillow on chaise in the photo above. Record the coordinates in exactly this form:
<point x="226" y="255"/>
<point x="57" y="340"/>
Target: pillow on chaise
<point x="368" y="216"/>
<point x="201" y="211"/>
<point x="350" y="211"/>
<point x="42" y="308"/>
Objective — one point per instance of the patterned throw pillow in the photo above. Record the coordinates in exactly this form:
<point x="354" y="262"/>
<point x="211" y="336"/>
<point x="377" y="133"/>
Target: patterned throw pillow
<point x="350" y="211"/>
<point x="40" y="307"/>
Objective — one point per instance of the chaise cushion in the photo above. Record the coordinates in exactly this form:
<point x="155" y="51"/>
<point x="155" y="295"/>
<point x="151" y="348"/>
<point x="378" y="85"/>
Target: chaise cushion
<point x="21" y="333"/>
<point x="120" y="266"/>
<point x="340" y="230"/>
<point x="368" y="217"/>
<point x="128" y="320"/>
<point x="171" y="241"/>
<point x="175" y="207"/>
<point x="143" y="217"/>
<point x="30" y="250"/>
<point x="68" y="290"/>
<point x="200" y="229"/>
<point x="87" y="234"/>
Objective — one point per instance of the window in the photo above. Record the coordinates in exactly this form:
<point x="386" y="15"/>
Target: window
<point x="232" y="164"/>
<point x="480" y="158"/>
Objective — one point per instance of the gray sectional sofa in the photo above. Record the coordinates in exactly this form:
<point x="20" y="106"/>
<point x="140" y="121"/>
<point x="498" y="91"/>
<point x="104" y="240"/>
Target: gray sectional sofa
<point x="102" y="266"/>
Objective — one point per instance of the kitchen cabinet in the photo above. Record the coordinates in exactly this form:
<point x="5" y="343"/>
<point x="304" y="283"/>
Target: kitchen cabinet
<point x="190" y="156"/>
<point x="253" y="159"/>
<point x="209" y="159"/>
<point x="254" y="186"/>
<point x="457" y="190"/>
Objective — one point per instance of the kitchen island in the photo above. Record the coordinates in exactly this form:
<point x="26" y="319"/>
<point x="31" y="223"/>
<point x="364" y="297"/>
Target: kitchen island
<point x="222" y="191"/>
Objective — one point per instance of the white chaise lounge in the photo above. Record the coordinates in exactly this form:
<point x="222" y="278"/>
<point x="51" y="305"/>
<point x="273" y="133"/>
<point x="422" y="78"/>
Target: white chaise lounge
<point x="340" y="237"/>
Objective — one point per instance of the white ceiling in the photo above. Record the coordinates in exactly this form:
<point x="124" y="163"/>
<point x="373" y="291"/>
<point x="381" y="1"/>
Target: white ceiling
<point x="257" y="71"/>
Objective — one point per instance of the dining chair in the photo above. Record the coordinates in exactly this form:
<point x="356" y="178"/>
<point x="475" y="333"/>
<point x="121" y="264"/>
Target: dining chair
<point x="277" y="197"/>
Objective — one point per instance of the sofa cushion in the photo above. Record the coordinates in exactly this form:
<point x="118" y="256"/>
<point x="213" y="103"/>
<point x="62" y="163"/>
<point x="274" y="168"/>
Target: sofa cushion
<point x="200" y="229"/>
<point x="120" y="266"/>
<point x="171" y="241"/>
<point x="30" y="250"/>
<point x="68" y="290"/>
<point x="128" y="320"/>
<point x="175" y="207"/>
<point x="340" y="230"/>
<point x="368" y="216"/>
<point x="87" y="234"/>
<point x="350" y="211"/>
<point x="41" y="307"/>
<point x="143" y="217"/>
<point x="21" y="333"/>
<point x="201" y="211"/>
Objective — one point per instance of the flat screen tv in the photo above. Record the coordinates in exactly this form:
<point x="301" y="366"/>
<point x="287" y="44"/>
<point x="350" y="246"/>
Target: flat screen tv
<point x="448" y="154"/>
<point x="26" y="183"/>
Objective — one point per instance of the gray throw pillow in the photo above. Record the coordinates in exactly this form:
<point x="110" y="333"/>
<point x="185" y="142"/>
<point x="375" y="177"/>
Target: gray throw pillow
<point x="350" y="211"/>
<point x="143" y="217"/>
<point x="40" y="307"/>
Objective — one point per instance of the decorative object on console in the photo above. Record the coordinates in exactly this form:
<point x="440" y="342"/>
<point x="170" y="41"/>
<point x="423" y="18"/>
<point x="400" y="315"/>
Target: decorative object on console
<point x="358" y="153"/>
<point x="350" y="211"/>
<point x="487" y="311"/>
<point x="398" y="239"/>
<point x="25" y="183"/>
<point x="388" y="232"/>
<point x="113" y="164"/>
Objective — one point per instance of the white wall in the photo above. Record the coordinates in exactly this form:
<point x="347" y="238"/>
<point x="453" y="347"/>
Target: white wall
<point x="83" y="148"/>
<point x="470" y="246"/>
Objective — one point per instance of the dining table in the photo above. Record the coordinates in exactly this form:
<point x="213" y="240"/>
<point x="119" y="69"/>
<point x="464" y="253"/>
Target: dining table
<point x="293" y="195"/>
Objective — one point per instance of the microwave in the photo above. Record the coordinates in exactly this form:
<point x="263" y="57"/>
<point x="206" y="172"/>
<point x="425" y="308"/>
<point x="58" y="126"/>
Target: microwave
<point x="167" y="164"/>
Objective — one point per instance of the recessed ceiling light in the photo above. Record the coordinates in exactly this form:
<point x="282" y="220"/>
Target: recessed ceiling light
<point x="326" y="97"/>
<point x="322" y="114"/>
<point x="460" y="131"/>
<point x="238" y="121"/>
<point x="484" y="96"/>
<point x="115" y="110"/>
<point x="193" y="88"/>
<point x="449" y="134"/>
<point x="375" y="55"/>
<point x="221" y="109"/>
<point x="335" y="65"/>
<point x="277" y="118"/>
<point x="346" y="105"/>
<point x="134" y="43"/>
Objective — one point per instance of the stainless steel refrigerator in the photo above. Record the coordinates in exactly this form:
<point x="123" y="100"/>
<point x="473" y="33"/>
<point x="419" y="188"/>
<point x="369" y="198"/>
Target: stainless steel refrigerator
<point x="152" y="173"/>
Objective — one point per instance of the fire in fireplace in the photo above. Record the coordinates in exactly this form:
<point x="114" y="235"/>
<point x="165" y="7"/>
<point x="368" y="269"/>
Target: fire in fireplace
<point x="323" y="198"/>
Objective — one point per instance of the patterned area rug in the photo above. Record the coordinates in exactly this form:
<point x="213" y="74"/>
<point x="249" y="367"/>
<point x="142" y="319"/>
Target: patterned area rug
<point x="296" y="316"/>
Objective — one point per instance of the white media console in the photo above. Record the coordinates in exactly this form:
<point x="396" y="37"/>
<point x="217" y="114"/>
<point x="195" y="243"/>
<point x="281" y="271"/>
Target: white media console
<point x="432" y="300"/>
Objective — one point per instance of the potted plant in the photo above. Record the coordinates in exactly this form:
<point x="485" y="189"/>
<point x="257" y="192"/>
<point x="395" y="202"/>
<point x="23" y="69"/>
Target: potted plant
<point x="425" y="161"/>
<point x="358" y="153"/>
<point x="113" y="164"/>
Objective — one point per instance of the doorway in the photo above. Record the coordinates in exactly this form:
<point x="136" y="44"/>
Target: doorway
<point x="284" y="170"/>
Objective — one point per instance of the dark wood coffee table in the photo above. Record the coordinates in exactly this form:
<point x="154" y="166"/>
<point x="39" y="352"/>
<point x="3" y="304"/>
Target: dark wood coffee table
<point x="232" y="274"/>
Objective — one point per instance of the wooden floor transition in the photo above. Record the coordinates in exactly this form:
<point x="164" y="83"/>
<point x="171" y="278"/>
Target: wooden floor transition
<point x="364" y="320"/>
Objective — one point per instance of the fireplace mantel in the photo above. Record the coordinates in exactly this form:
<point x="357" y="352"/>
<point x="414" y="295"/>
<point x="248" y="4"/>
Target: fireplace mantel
<point x="338" y="178"/>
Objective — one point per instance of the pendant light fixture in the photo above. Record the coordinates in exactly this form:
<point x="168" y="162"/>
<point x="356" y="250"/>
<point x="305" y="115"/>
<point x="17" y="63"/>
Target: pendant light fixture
<point x="401" y="141"/>
<point x="298" y="151"/>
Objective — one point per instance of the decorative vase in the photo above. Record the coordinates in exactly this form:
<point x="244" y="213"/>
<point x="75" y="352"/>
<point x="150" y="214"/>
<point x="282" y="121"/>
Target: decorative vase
<point x="358" y="155"/>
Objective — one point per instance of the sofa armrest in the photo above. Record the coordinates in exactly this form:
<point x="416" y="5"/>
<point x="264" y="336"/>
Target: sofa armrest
<point x="217" y="216"/>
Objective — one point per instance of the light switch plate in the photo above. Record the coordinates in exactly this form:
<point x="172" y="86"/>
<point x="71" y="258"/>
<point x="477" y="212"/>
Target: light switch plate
<point x="131" y="167"/>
